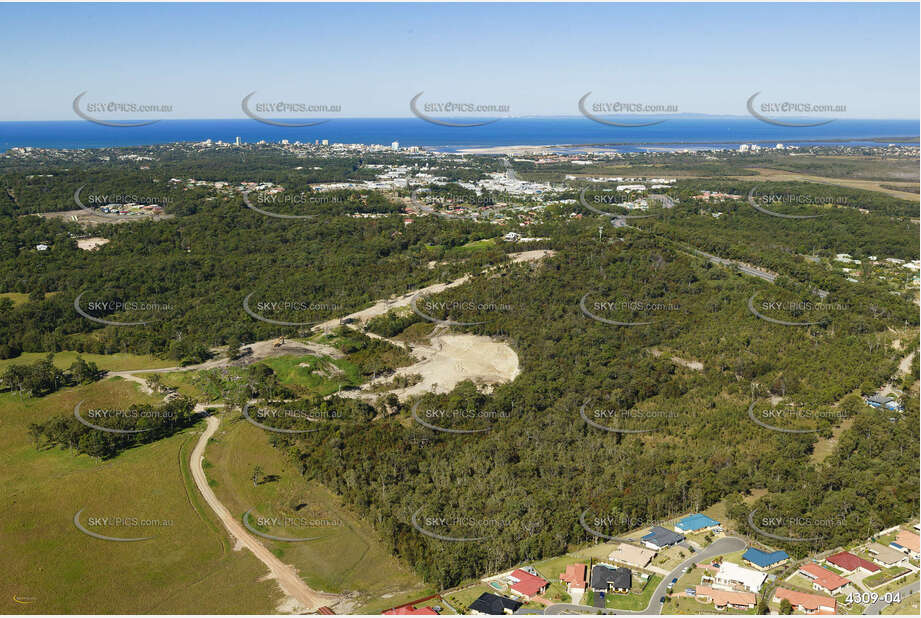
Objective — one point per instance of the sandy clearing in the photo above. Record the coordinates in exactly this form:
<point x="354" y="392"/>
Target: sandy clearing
<point x="696" y="365"/>
<point x="383" y="306"/>
<point x="403" y="300"/>
<point x="531" y="256"/>
<point x="301" y="597"/>
<point x="91" y="244"/>
<point x="448" y="361"/>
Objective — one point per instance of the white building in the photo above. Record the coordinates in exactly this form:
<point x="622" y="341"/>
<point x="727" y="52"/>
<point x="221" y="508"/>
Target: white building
<point x="731" y="576"/>
<point x="395" y="146"/>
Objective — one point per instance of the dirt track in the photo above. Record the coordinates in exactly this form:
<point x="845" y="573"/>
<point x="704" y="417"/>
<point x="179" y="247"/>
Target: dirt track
<point x="308" y="599"/>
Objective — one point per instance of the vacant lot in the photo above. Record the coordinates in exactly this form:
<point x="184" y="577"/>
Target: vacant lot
<point x="346" y="558"/>
<point x="187" y="563"/>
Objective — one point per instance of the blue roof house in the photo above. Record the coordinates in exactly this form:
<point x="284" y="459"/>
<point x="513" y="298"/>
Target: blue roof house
<point x="763" y="560"/>
<point x="695" y="523"/>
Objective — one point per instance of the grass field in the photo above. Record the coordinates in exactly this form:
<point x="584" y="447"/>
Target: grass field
<point x="109" y="362"/>
<point x="313" y="373"/>
<point x="347" y="557"/>
<point x="188" y="565"/>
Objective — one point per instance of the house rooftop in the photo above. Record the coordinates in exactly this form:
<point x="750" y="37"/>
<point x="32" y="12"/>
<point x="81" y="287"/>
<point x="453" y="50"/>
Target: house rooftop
<point x="604" y="577"/>
<point x="809" y="602"/>
<point x="527" y="584"/>
<point x="697" y="521"/>
<point x="662" y="537"/>
<point x="493" y="604"/>
<point x="764" y="559"/>
<point x="849" y="562"/>
<point x="823" y="577"/>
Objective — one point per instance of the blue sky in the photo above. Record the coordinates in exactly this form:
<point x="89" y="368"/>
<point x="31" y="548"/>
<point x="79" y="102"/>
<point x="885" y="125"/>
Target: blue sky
<point x="536" y="58"/>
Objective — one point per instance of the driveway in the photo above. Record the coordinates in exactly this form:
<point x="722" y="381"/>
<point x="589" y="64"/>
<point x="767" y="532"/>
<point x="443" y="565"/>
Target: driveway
<point x="724" y="545"/>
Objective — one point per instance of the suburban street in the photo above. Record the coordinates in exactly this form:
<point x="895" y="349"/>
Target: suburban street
<point x="725" y="545"/>
<point x="875" y="608"/>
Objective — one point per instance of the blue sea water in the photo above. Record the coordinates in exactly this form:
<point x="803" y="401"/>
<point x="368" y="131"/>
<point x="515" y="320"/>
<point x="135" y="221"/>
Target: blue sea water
<point x="705" y="132"/>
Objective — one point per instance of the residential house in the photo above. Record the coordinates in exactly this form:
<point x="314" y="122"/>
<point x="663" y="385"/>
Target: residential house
<point x="805" y="602"/>
<point x="886" y="556"/>
<point x="659" y="538"/>
<point x="731" y="576"/>
<point x="698" y="522"/>
<point x="494" y="605"/>
<point x="849" y="563"/>
<point x="527" y="585"/>
<point x="884" y="401"/>
<point x="909" y="542"/>
<point x="722" y="599"/>
<point x="611" y="579"/>
<point x="764" y="561"/>
<point x="632" y="555"/>
<point x="574" y="578"/>
<point x="823" y="580"/>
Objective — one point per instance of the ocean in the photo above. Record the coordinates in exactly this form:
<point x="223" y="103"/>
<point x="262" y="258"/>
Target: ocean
<point x="697" y="133"/>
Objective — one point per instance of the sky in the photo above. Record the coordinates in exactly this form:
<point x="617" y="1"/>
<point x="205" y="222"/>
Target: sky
<point x="538" y="59"/>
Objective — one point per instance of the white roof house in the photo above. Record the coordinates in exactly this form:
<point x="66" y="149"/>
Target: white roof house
<point x="731" y="576"/>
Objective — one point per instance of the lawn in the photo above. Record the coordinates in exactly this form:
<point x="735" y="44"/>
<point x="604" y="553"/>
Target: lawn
<point x="347" y="555"/>
<point x="636" y="600"/>
<point x="109" y="362"/>
<point x="189" y="562"/>
<point x="461" y="599"/>
<point x="885" y="575"/>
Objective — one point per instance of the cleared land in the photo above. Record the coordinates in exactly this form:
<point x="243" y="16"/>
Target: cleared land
<point x="188" y="563"/>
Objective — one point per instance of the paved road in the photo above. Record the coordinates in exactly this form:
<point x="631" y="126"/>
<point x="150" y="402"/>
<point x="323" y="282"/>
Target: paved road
<point x="875" y="608"/>
<point x="724" y="545"/>
<point x="287" y="577"/>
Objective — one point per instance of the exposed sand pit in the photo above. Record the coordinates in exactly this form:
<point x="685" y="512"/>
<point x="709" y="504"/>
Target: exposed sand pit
<point x="531" y="256"/>
<point x="448" y="361"/>
<point x="89" y="244"/>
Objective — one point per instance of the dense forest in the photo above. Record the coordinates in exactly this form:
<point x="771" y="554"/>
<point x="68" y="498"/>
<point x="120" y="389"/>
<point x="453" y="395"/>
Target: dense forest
<point x="678" y="381"/>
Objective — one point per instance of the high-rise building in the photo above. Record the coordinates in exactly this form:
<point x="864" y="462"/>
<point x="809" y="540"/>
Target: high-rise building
<point x="325" y="142"/>
<point x="237" y="141"/>
<point x="395" y="146"/>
